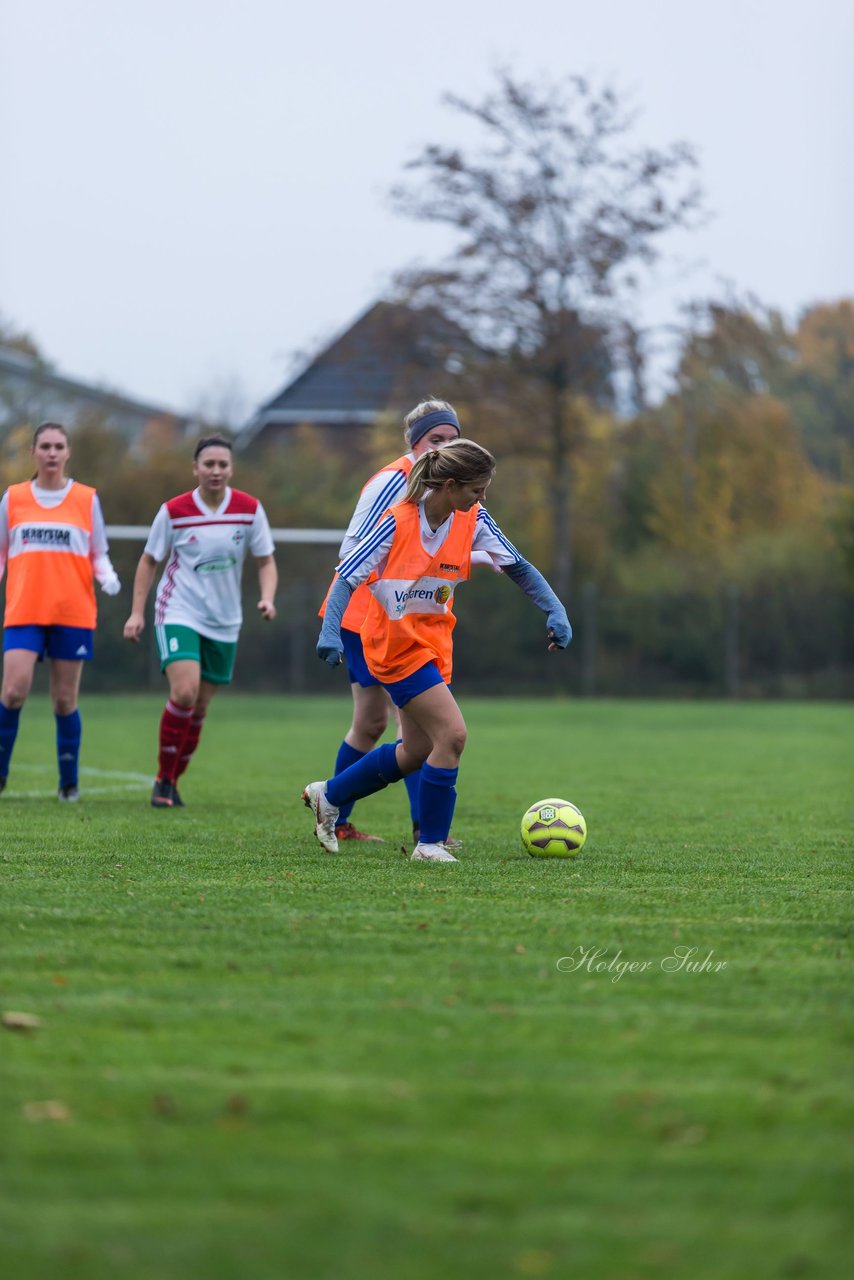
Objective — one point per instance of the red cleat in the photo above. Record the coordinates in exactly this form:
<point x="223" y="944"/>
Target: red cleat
<point x="346" y="831"/>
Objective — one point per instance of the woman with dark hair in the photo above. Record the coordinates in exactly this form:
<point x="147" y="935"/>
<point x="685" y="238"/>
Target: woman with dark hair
<point x="52" y="535"/>
<point x="206" y="534"/>
<point x="412" y="562"/>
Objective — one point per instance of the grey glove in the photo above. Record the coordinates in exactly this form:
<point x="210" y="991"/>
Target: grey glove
<point x="537" y="589"/>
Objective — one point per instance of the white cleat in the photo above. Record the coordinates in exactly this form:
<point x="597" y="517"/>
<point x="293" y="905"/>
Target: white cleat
<point x="325" y="815"/>
<point x="431" y="853"/>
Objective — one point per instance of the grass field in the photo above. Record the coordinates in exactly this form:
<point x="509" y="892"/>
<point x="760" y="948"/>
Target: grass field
<point x="260" y="1061"/>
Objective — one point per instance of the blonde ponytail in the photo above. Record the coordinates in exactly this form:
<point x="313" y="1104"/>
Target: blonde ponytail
<point x="461" y="460"/>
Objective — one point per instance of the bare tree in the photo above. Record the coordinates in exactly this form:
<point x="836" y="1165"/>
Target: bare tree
<point x="554" y="212"/>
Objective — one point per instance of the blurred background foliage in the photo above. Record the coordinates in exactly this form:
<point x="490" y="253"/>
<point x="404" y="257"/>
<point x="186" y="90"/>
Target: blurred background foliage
<point x="702" y="538"/>
<point x="713" y="532"/>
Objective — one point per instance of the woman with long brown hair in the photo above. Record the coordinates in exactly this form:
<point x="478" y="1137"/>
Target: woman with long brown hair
<point x="53" y="539"/>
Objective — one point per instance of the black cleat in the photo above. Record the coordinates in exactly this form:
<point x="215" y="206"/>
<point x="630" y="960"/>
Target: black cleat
<point x="3" y="782"/>
<point x="161" y="794"/>
<point x="176" y="797"/>
<point x="69" y="794"/>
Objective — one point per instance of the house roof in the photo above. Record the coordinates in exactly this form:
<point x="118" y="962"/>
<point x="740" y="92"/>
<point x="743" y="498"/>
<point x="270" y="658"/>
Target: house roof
<point x="364" y="371"/>
<point x="41" y="375"/>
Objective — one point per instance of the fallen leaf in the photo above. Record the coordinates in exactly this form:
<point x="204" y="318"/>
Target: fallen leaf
<point x="50" y="1109"/>
<point x="21" y="1021"/>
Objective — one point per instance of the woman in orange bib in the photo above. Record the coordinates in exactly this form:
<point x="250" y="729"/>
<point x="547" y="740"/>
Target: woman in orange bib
<point x="413" y="561"/>
<point x="53" y="539"/>
<point x="430" y="424"/>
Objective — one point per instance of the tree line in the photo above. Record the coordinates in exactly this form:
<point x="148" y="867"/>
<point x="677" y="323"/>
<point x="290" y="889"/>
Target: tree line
<point x="713" y="532"/>
<point x="703" y="541"/>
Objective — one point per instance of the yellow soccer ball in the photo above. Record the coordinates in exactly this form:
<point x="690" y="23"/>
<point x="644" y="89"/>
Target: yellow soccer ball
<point x="553" y="829"/>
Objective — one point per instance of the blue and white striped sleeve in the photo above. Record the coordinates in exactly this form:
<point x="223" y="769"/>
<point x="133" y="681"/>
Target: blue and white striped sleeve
<point x="381" y="492"/>
<point x="368" y="555"/>
<point x="489" y="538"/>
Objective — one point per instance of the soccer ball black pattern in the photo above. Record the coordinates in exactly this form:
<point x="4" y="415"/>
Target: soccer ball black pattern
<point x="553" y="829"/>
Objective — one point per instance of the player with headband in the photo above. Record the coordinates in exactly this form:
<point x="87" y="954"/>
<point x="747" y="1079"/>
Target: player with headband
<point x="412" y="562"/>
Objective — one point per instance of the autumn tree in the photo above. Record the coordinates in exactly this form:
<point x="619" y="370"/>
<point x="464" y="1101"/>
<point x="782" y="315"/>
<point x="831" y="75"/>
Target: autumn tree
<point x="736" y="345"/>
<point x="724" y="457"/>
<point x="554" y="211"/>
<point x="17" y="402"/>
<point x="820" y="384"/>
<point x="749" y="475"/>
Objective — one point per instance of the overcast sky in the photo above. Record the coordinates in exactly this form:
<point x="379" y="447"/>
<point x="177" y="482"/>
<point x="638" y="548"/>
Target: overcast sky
<point x="194" y="190"/>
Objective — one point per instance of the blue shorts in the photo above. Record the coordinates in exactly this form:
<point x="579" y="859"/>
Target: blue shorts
<point x="403" y="691"/>
<point x="70" y="644"/>
<point x="354" y="656"/>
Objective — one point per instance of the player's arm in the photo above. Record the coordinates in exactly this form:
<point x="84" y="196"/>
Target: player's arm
<point x="536" y="588"/>
<point x="262" y="547"/>
<point x="156" y="549"/>
<point x="356" y="568"/>
<point x="488" y="537"/>
<point x="381" y="492"/>
<point x="102" y="565"/>
<point x="329" y="641"/>
<point x="482" y="559"/>
<point x="142" y="583"/>
<point x="268" y="580"/>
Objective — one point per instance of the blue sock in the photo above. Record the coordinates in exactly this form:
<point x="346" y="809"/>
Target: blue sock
<point x="9" y="717"/>
<point x="438" y="798"/>
<point x="412" y="782"/>
<point x="68" y="734"/>
<point x="373" y="772"/>
<point x="347" y="755"/>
